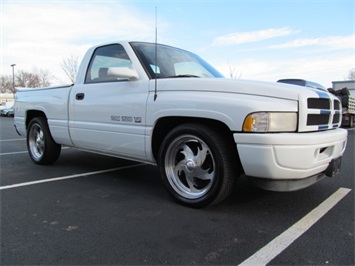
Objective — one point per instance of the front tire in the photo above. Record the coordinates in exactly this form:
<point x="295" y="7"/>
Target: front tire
<point x="40" y="144"/>
<point x="197" y="165"/>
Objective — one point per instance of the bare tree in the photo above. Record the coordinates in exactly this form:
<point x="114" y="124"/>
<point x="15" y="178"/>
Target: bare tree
<point x="6" y="84"/>
<point x="37" y="78"/>
<point x="351" y="75"/>
<point x="45" y="77"/>
<point x="233" y="73"/>
<point x="70" y="67"/>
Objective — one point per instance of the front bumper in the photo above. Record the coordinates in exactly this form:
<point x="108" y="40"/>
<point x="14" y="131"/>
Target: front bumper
<point x="296" y="184"/>
<point x="289" y="156"/>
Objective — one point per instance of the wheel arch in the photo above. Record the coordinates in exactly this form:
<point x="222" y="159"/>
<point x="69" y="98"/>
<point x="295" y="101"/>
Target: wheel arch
<point x="32" y="114"/>
<point x="166" y="124"/>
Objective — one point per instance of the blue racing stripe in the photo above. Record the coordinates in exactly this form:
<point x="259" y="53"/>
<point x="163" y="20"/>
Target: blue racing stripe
<point x="322" y="127"/>
<point x="322" y="94"/>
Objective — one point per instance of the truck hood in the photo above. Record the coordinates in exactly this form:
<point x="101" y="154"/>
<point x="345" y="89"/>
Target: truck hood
<point x="259" y="88"/>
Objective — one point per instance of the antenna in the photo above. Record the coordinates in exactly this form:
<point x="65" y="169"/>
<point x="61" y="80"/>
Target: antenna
<point x="156" y="55"/>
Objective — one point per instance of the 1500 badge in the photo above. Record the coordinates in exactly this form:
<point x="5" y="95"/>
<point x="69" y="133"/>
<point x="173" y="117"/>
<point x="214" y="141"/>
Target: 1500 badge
<point x="126" y="119"/>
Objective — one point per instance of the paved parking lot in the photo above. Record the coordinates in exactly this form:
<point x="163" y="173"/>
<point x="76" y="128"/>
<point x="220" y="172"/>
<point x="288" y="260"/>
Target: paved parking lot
<point x="88" y="209"/>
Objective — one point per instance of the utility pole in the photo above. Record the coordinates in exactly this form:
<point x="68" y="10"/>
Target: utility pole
<point x="13" y="78"/>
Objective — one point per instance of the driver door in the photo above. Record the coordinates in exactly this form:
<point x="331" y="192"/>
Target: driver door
<point x="107" y="114"/>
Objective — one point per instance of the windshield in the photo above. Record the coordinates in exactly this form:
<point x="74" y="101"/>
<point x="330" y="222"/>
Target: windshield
<point x="172" y="62"/>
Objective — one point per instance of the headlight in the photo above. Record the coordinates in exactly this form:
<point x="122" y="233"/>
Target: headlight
<point x="270" y="122"/>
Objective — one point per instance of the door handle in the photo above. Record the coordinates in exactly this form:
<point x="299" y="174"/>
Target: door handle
<point x="80" y="96"/>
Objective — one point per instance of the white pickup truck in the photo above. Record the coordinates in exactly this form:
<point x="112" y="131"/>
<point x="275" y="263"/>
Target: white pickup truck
<point x="162" y="105"/>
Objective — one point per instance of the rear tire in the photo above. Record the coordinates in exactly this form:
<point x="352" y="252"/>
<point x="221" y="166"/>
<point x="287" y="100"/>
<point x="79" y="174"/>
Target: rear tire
<point x="198" y="165"/>
<point x="40" y="144"/>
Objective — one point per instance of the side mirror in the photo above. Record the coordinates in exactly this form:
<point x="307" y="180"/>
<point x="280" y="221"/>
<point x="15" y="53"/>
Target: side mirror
<point x="123" y="73"/>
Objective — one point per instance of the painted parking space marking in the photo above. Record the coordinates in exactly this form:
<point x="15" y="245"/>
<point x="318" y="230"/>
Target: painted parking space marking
<point x="280" y="243"/>
<point x="7" y="140"/>
<point x="68" y="177"/>
<point x="19" y="152"/>
<point x="12" y="153"/>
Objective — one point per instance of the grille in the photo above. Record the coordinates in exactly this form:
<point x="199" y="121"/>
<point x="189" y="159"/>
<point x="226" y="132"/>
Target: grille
<point x="316" y="103"/>
<point x="320" y="113"/>
<point x="314" y="120"/>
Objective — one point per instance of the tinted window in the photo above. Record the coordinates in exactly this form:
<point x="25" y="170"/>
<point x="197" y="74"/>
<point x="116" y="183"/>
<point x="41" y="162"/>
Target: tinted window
<point x="103" y="58"/>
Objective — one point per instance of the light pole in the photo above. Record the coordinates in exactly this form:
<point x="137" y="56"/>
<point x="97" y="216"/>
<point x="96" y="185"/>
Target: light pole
<point x="13" y="77"/>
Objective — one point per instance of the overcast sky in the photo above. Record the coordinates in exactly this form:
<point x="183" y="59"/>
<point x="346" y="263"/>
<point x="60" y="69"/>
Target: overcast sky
<point x="262" y="40"/>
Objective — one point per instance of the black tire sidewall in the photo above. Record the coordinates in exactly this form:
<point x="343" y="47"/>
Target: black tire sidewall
<point x="205" y="134"/>
<point x="51" y="149"/>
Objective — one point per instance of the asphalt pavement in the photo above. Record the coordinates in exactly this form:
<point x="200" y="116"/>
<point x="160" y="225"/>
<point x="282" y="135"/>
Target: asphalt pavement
<point x="88" y="209"/>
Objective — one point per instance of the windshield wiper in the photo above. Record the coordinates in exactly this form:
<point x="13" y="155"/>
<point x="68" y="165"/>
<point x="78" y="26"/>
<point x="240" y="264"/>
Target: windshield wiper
<point x="181" y="76"/>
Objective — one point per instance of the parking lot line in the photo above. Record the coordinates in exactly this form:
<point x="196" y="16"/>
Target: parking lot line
<point x="68" y="177"/>
<point x="280" y="243"/>
<point x="12" y="153"/>
<point x="5" y="140"/>
<point x="19" y="152"/>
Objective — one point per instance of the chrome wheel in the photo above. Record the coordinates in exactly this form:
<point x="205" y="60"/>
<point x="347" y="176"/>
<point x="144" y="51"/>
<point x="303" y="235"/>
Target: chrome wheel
<point x="40" y="144"/>
<point x="36" y="142"/>
<point x="198" y="163"/>
<point x="189" y="166"/>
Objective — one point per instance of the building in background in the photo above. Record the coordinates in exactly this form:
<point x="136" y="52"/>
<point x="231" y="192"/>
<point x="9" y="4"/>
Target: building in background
<point x="345" y="91"/>
<point x="350" y="84"/>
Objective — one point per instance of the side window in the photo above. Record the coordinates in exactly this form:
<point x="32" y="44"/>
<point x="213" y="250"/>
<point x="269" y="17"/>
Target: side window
<point x="105" y="57"/>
